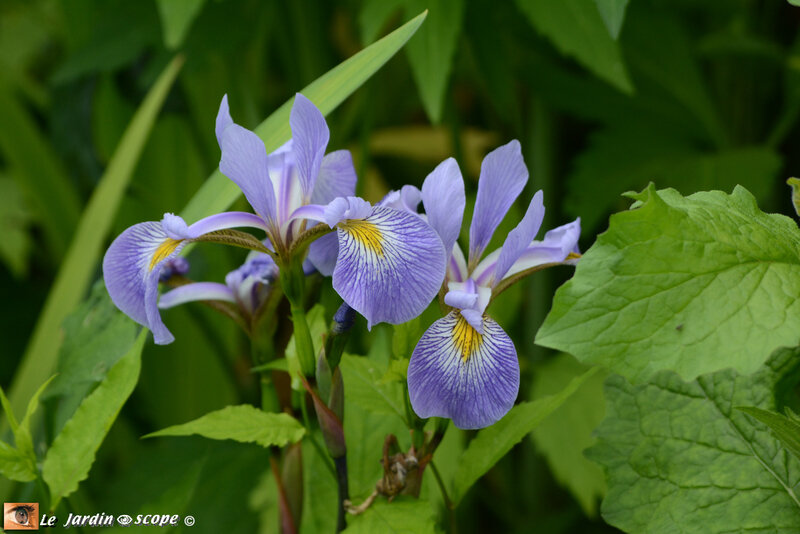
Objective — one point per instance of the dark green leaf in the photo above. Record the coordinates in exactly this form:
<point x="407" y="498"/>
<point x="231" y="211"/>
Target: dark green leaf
<point x="613" y="13"/>
<point x="403" y="515"/>
<point x="176" y="18"/>
<point x="364" y="386"/>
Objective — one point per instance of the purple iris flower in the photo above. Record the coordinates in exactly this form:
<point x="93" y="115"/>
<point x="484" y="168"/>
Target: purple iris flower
<point x="387" y="264"/>
<point x="465" y="366"/>
<point x="247" y="286"/>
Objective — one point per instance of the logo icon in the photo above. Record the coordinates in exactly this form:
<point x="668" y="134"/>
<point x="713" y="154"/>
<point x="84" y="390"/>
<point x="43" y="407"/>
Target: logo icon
<point x="20" y="516"/>
<point x="124" y="520"/>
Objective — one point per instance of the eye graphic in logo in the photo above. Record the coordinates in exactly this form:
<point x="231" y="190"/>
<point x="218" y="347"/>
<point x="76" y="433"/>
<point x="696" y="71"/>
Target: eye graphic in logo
<point x="20" y="516"/>
<point x="124" y="520"/>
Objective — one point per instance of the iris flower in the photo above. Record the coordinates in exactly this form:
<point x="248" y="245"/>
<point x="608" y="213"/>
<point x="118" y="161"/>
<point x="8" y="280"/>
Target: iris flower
<point x="387" y="264"/>
<point x="465" y="366"/>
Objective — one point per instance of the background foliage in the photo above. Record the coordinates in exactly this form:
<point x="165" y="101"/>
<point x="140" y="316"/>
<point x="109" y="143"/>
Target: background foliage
<point x="604" y="95"/>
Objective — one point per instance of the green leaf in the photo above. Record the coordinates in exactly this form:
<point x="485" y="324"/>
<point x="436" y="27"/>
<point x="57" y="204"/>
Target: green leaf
<point x="613" y="13"/>
<point x="15" y="465"/>
<point x="431" y="51"/>
<point x="15" y="219"/>
<point x="494" y="442"/>
<point x="578" y="30"/>
<point x="402" y="515"/>
<point x="96" y="336"/>
<point x="364" y="386"/>
<point x="80" y="263"/>
<point x="243" y="423"/>
<point x="327" y="92"/>
<point x="373" y="15"/>
<point x="316" y="325"/>
<point x="70" y="458"/>
<point x="794" y="2"/>
<point x="567" y="432"/>
<point x="176" y="18"/>
<point x="786" y="429"/>
<point x="680" y="458"/>
<point x="405" y="337"/>
<point x="690" y="284"/>
<point x="794" y="183"/>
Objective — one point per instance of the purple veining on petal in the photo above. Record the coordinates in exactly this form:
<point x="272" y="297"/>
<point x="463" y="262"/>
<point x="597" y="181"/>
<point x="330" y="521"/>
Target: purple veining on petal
<point x="337" y="178"/>
<point x="444" y="200"/>
<point x="520" y="237"/>
<point x="310" y="135"/>
<point x="474" y="390"/>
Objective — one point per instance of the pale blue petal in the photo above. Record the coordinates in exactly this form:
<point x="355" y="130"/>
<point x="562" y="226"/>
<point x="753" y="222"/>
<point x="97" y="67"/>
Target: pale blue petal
<point x="520" y="237"/>
<point x="458" y="374"/>
<point x="196" y="291"/>
<point x="323" y="253"/>
<point x="503" y="177"/>
<point x="223" y="119"/>
<point x="337" y="178"/>
<point x="444" y="200"/>
<point x="310" y="138"/>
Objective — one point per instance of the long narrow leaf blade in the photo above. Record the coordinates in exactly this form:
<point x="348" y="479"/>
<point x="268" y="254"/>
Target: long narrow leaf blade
<point x="75" y="274"/>
<point x="327" y="92"/>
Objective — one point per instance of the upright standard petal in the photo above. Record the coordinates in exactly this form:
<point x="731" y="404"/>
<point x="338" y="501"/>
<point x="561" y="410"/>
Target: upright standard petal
<point x="390" y="265"/>
<point x="468" y="377"/>
<point x="310" y="137"/>
<point x="556" y="247"/>
<point x="337" y="178"/>
<point x="131" y="270"/>
<point x="244" y="160"/>
<point x="223" y="119"/>
<point x="518" y="239"/>
<point x="503" y="177"/>
<point x="444" y="200"/>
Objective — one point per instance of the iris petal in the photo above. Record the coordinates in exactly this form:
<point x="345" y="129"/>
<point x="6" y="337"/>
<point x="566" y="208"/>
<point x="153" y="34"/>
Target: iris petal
<point x="130" y="269"/>
<point x="195" y="292"/>
<point x="390" y="265"/>
<point x="520" y="237"/>
<point x="503" y="176"/>
<point x="459" y="374"/>
<point x="337" y="178"/>
<point x="444" y="199"/>
<point x="323" y="253"/>
<point x="310" y="136"/>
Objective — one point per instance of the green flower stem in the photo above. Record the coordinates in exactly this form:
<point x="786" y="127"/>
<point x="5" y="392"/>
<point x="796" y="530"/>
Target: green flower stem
<point x="314" y="442"/>
<point x="293" y="283"/>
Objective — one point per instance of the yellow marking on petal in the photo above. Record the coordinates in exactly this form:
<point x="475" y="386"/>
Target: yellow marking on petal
<point x="573" y="256"/>
<point x="164" y="250"/>
<point x="366" y="233"/>
<point x="466" y="338"/>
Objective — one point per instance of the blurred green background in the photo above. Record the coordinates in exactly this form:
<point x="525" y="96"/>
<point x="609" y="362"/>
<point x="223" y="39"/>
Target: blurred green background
<point x="604" y="96"/>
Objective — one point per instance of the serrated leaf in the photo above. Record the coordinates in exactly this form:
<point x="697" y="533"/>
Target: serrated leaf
<point x="364" y="386"/>
<point x="494" y="442"/>
<point x="613" y="13"/>
<point x="15" y="465"/>
<point x="786" y="429"/>
<point x="578" y="30"/>
<point x="70" y="458"/>
<point x="567" y="432"/>
<point x="403" y="515"/>
<point x="243" y="423"/>
<point x="431" y="50"/>
<point x="76" y="271"/>
<point x="680" y="458"/>
<point x="327" y="92"/>
<point x="691" y="284"/>
<point x="176" y="18"/>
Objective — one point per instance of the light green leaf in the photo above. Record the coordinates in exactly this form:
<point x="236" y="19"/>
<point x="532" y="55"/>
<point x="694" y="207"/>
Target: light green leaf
<point x="794" y="183"/>
<point x="23" y="438"/>
<point x="680" y="458"/>
<point x="786" y="429"/>
<point x="567" y="432"/>
<point x="795" y="2"/>
<point x="316" y="325"/>
<point x="431" y="51"/>
<point x="578" y="30"/>
<point x="80" y="263"/>
<point x="365" y="387"/>
<point x="15" y="465"/>
<point x="691" y="284"/>
<point x="373" y="15"/>
<point x="243" y="423"/>
<point x="613" y="13"/>
<point x="70" y="458"/>
<point x="176" y="18"/>
<point x="405" y="337"/>
<point x="494" y="442"/>
<point x="327" y="92"/>
<point x="401" y="516"/>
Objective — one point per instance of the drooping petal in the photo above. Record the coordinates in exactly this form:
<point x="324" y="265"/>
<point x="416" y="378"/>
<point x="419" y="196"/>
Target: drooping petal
<point x="503" y="177"/>
<point x="444" y="199"/>
<point x="337" y="178"/>
<point x="519" y="239"/>
<point x="556" y="247"/>
<point x="323" y="253"/>
<point x="195" y="292"/>
<point x="390" y="265"/>
<point x="244" y="160"/>
<point x="131" y="270"/>
<point x="310" y="136"/>
<point x="457" y="373"/>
